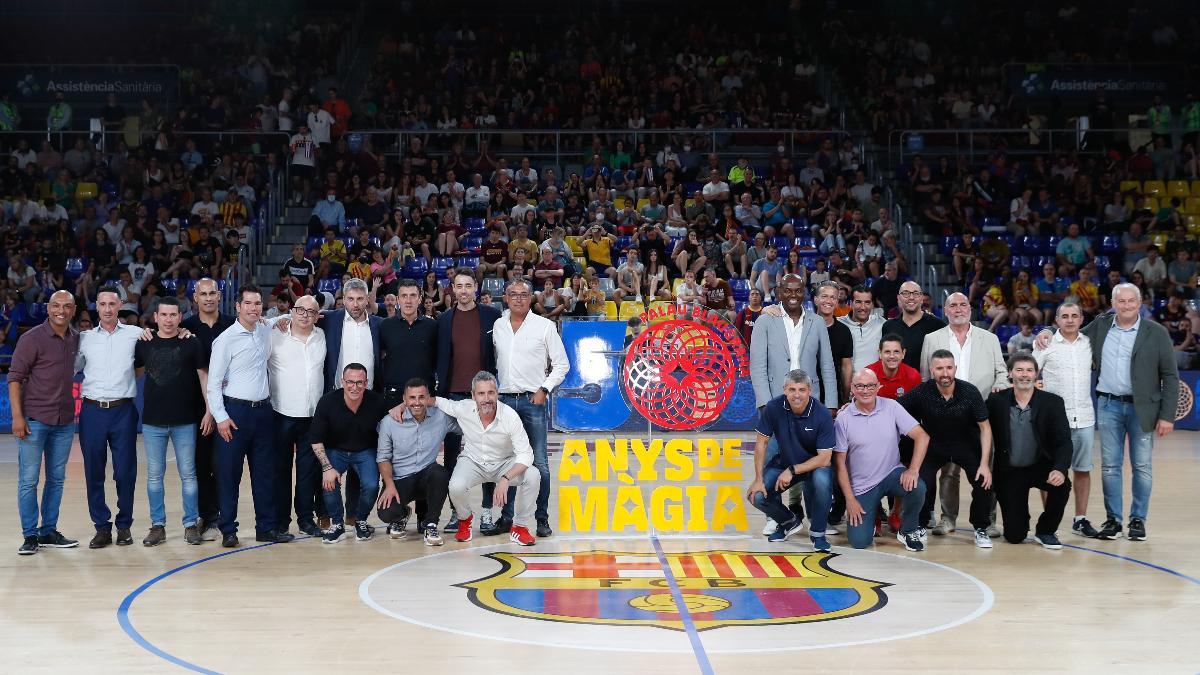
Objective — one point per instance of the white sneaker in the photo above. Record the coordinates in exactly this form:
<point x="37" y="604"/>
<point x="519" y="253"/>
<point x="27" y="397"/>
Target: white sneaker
<point x="830" y="528"/>
<point x="638" y="299"/>
<point x="485" y="520"/>
<point x="945" y="526"/>
<point x="769" y="527"/>
<point x="923" y="534"/>
<point x="982" y="540"/>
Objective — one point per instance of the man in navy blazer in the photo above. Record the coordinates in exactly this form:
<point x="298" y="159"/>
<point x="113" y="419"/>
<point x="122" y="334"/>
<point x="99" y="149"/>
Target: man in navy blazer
<point x="355" y="303"/>
<point x="455" y="370"/>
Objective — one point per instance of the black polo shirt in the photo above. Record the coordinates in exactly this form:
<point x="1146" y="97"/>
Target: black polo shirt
<point x="952" y="424"/>
<point x="335" y="427"/>
<point x="841" y="346"/>
<point x="409" y="350"/>
<point x="205" y="333"/>
<point x="913" y="337"/>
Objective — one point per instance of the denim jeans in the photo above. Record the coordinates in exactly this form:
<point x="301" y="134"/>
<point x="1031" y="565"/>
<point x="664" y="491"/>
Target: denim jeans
<point x="818" y="495"/>
<point x="861" y="535"/>
<point x="533" y="418"/>
<point x="1117" y="420"/>
<point x="53" y="441"/>
<point x="363" y="463"/>
<point x="183" y="437"/>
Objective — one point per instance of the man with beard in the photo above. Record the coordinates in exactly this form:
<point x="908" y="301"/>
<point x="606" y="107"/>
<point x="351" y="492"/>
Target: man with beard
<point x="913" y="324"/>
<point x="1033" y="451"/>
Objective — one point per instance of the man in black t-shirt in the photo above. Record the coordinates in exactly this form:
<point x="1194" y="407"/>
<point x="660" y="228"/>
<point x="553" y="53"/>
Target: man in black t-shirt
<point x="301" y="268"/>
<point x="952" y="411"/>
<point x="913" y="324"/>
<point x="176" y="372"/>
<point x="343" y="434"/>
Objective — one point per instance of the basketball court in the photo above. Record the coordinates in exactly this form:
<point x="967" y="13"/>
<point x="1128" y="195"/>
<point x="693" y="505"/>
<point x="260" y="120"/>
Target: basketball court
<point x="627" y="599"/>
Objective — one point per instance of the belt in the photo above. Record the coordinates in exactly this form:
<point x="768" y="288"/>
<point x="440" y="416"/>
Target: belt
<point x="1114" y="397"/>
<point x="527" y="394"/>
<point x="107" y="404"/>
<point x="252" y="404"/>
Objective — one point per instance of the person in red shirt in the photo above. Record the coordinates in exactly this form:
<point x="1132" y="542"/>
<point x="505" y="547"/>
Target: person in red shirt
<point x="493" y="257"/>
<point x="749" y="314"/>
<point x="896" y="378"/>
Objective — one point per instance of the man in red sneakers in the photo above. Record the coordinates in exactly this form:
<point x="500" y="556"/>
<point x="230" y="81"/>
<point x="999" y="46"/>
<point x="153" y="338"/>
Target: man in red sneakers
<point x="895" y="379"/>
<point x="495" y="450"/>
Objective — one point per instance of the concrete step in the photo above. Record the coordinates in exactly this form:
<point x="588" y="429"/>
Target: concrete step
<point x="297" y="214"/>
<point x="278" y="251"/>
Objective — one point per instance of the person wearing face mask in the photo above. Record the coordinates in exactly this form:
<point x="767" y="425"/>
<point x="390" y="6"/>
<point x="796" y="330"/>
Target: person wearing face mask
<point x="1032" y="451"/>
<point x="330" y="212"/>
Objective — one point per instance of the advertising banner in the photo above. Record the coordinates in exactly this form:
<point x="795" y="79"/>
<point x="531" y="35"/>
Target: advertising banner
<point x="89" y="84"/>
<point x="1077" y="82"/>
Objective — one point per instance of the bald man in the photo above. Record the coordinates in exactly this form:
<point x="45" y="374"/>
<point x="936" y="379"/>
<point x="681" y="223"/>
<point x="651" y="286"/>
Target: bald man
<point x="913" y="324"/>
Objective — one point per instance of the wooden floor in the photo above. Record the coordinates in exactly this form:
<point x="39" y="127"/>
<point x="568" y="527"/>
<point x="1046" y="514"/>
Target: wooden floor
<point x="352" y="607"/>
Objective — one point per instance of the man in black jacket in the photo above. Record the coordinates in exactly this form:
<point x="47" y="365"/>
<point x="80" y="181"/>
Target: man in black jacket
<point x="1033" y="451"/>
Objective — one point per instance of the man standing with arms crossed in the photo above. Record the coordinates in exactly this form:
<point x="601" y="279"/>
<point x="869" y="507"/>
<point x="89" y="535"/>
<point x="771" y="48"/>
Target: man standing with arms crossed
<point x="239" y="398"/>
<point x="977" y="357"/>
<point x="107" y="417"/>
<point x="1138" y="393"/>
<point x="465" y="347"/>
<point x="953" y="413"/>
<point x="206" y="324"/>
<point x="527" y="346"/>
<point x="297" y="379"/>
<point x="176" y="371"/>
<point x="1066" y="365"/>
<point x="913" y="324"/>
<point x="43" y="420"/>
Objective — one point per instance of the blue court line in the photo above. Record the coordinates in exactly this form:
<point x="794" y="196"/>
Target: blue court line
<point x="1151" y="565"/>
<point x="684" y="615"/>
<point x="137" y="637"/>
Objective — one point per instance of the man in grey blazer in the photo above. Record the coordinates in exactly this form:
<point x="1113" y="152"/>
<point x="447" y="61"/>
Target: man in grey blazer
<point x="980" y="362"/>
<point x="1137" y="395"/>
<point x="798" y="340"/>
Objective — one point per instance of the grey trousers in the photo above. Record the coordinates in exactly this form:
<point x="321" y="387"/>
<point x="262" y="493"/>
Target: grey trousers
<point x="468" y="474"/>
<point x="948" y="493"/>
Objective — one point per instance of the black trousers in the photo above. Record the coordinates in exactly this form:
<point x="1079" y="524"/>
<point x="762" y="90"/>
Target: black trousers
<point x="430" y="485"/>
<point x="206" y="478"/>
<point x="981" y="498"/>
<point x="1012" y="491"/>
<point x="292" y="442"/>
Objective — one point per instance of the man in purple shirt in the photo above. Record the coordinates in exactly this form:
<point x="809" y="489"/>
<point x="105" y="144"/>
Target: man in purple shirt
<point x="867" y="454"/>
<point x="43" y="420"/>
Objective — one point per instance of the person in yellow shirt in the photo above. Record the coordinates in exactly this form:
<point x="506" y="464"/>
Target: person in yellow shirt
<point x="597" y="249"/>
<point x="522" y="241"/>
<point x="1025" y="298"/>
<point x="333" y="255"/>
<point x="361" y="267"/>
<point x="1086" y="292"/>
<point x="996" y="305"/>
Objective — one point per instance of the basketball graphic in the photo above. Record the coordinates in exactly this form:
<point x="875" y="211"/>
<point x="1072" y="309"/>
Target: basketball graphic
<point x="694" y="602"/>
<point x="680" y="374"/>
<point x="1187" y="401"/>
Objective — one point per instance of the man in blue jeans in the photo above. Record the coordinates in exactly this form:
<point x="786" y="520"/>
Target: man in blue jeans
<point x="43" y="420"/>
<point x="344" y="435"/>
<point x="868" y="462"/>
<point x="804" y="430"/>
<point x="527" y="347"/>
<point x="176" y="372"/>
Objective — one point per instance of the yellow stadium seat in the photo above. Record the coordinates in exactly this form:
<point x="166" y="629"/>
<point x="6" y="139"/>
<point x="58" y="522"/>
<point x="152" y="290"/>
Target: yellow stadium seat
<point x="630" y="308"/>
<point x="675" y="286"/>
<point x="1154" y="188"/>
<point x="642" y="202"/>
<point x="85" y="191"/>
<point x="1152" y="204"/>
<point x="43" y="190"/>
<point x="1131" y="186"/>
<point x="689" y="203"/>
<point x="1160" y="240"/>
<point x="619" y="202"/>
<point x="1192" y="206"/>
<point x="659" y="308"/>
<point x="1195" y="188"/>
<point x="573" y="244"/>
<point x="610" y="309"/>
<point x="580" y="261"/>
<point x="1193" y="225"/>
<point x="1178" y="188"/>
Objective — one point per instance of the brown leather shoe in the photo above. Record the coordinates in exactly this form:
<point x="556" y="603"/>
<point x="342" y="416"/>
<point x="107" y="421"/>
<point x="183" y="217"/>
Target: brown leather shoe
<point x="156" y="536"/>
<point x="192" y="536"/>
<point x="124" y="538"/>
<point x="350" y="521"/>
<point x="103" y="538"/>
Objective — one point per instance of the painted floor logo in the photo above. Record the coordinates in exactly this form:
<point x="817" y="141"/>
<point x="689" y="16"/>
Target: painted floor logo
<point x="614" y="594"/>
<point x="719" y="588"/>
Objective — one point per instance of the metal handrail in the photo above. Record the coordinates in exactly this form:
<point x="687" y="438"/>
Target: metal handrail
<point x="934" y="281"/>
<point x="898" y="137"/>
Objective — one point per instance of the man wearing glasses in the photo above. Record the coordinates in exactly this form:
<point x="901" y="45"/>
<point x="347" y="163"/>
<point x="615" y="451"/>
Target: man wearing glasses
<point x="527" y="347"/>
<point x="344" y="435"/>
<point x="913" y="324"/>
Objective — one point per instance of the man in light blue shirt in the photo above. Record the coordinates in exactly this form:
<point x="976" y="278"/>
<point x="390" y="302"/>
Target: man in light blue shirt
<point x="240" y="400"/>
<point x="330" y="212"/>
<point x="107" y="416"/>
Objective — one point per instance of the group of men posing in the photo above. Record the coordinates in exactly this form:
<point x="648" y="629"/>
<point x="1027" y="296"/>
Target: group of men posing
<point x="856" y="408"/>
<point x="341" y="397"/>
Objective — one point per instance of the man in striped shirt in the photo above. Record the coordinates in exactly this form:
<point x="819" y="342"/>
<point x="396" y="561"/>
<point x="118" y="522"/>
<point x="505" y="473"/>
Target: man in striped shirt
<point x="1066" y="367"/>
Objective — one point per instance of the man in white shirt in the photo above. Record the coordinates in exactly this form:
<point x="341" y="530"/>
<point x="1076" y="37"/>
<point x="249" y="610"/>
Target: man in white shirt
<point x="205" y="206"/>
<point x="477" y="196"/>
<point x="866" y="327"/>
<point x="715" y="190"/>
<point x="297" y="379"/>
<point x="304" y="160"/>
<point x="1066" y="367"/>
<point x="455" y="189"/>
<point x="108" y="418"/>
<point x="495" y="450"/>
<point x="319" y="122"/>
<point x="424" y="190"/>
<point x="530" y="361"/>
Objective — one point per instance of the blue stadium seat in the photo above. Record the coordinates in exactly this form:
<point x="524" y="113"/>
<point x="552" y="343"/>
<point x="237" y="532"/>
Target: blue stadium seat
<point x="783" y="244"/>
<point x="1102" y="265"/>
<point x="348" y="241"/>
<point x="804" y="243"/>
<point x="440" y="265"/>
<point x="35" y="313"/>
<point x="415" y="268"/>
<point x="741" y="289"/>
<point x="1031" y="244"/>
<point x="468" y="261"/>
<point x="1005" y="332"/>
<point x="1159" y="303"/>
<point x="1044" y="259"/>
<point x="947" y="244"/>
<point x="799" y="222"/>
<point x="1022" y="262"/>
<point x="350" y="222"/>
<point x="313" y="243"/>
<point x="1110" y="244"/>
<point x="74" y="268"/>
<point x="624" y="242"/>
<point x="191" y="287"/>
<point x="472" y="243"/>
<point x="1011" y="240"/>
<point x="169" y="285"/>
<point x="329" y="285"/>
<point x="991" y="224"/>
<point x="1051" y="246"/>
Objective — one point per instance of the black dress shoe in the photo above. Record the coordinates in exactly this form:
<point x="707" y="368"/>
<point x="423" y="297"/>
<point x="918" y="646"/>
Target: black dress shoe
<point x="274" y="537"/>
<point x="101" y="539"/>
<point x="229" y="540"/>
<point x="501" y="526"/>
<point x="310" y="529"/>
<point x="124" y="537"/>
<point x="543" y="528"/>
